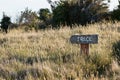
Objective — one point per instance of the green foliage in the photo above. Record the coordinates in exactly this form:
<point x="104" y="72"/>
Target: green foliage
<point x="44" y="14"/>
<point x="78" y="12"/>
<point x="5" y="22"/>
<point x="45" y="17"/>
<point x="116" y="51"/>
<point x="116" y="13"/>
<point x="60" y="13"/>
<point x="29" y="19"/>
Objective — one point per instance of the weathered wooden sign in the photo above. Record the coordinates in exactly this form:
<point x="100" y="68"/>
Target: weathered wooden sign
<point x="84" y="41"/>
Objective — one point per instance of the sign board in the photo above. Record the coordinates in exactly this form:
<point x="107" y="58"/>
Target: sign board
<point x="84" y="39"/>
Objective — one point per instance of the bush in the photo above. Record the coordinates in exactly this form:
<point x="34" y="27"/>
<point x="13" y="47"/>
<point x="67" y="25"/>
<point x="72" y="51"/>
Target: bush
<point x="116" y="51"/>
<point x="116" y="14"/>
<point x="96" y="65"/>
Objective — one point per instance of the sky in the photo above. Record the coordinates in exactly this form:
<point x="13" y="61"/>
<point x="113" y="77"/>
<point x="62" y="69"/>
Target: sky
<point x="14" y="7"/>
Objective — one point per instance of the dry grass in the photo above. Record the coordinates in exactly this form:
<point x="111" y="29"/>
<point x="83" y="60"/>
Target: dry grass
<point x="49" y="55"/>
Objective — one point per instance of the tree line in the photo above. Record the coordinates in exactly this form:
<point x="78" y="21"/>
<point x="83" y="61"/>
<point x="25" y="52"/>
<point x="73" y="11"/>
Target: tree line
<point x="64" y="12"/>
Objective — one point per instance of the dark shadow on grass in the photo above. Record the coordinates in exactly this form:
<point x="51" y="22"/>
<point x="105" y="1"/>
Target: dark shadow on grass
<point x="116" y="51"/>
<point x="66" y="58"/>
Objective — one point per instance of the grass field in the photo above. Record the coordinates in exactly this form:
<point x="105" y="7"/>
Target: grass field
<point x="49" y="55"/>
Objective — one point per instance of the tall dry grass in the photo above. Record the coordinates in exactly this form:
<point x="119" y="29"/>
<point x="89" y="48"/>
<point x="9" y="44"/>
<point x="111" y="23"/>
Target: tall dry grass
<point x="49" y="55"/>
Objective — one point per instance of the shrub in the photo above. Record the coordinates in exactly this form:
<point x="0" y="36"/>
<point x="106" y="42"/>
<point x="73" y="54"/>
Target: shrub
<point x="116" y="51"/>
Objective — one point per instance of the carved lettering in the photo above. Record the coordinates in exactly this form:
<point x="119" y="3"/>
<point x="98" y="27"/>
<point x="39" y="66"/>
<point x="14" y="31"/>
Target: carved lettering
<point x="84" y="39"/>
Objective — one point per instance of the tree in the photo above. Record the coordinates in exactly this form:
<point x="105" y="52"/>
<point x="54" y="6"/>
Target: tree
<point x="60" y="13"/>
<point x="5" y="22"/>
<point x="28" y="18"/>
<point x="45" y="17"/>
<point x="92" y="10"/>
<point x="115" y="14"/>
<point x="44" y="14"/>
<point x="77" y="11"/>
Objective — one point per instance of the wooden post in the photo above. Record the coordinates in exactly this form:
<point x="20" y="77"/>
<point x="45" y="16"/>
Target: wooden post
<point x="84" y="49"/>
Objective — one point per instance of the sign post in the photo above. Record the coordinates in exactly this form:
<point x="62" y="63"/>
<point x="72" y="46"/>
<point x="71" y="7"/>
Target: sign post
<point x="84" y="48"/>
<point x="84" y="41"/>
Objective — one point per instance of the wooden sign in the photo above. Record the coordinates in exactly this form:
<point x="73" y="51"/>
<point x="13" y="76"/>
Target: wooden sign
<point x="84" y="41"/>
